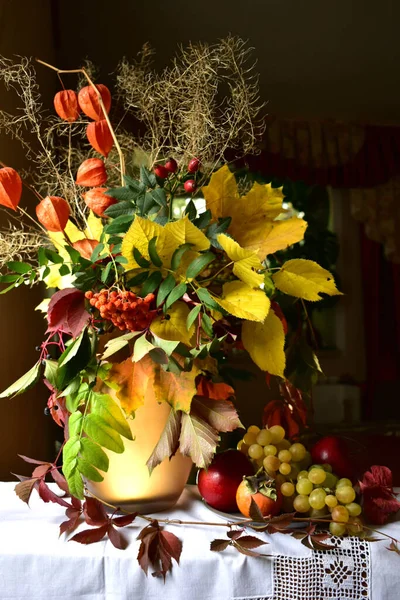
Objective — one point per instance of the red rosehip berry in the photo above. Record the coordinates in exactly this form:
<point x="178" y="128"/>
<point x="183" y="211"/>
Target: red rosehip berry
<point x="161" y="171"/>
<point x="190" y="186"/>
<point x="194" y="165"/>
<point x="171" y="165"/>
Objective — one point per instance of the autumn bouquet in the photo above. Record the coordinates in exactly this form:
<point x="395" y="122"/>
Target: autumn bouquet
<point x="160" y="260"/>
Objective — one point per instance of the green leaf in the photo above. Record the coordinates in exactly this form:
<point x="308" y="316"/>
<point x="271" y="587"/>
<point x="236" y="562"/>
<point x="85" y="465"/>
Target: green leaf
<point x="155" y="259"/>
<point x="178" y="254"/>
<point x="72" y="350"/>
<point x="94" y="454"/>
<point x="119" y="225"/>
<point x="165" y="288"/>
<point x="147" y="204"/>
<point x="71" y="388"/>
<point x="191" y="210"/>
<point x="269" y="286"/>
<point x="151" y="284"/>
<point x="24" y="383"/>
<point x="9" y="278"/>
<point x="206" y="324"/>
<point x="114" y="345"/>
<point x="86" y="469"/>
<point x="75" y="424"/>
<point x="148" y="178"/>
<point x="141" y="261"/>
<point x="64" y="270"/>
<point x="120" y="260"/>
<point x="204" y="296"/>
<point x="100" y="432"/>
<point x="74" y="254"/>
<point x="20" y="267"/>
<point x="106" y="408"/>
<point x="71" y="367"/>
<point x="42" y="258"/>
<point x="106" y="272"/>
<point x="166" y="345"/>
<point x="123" y="194"/>
<point x="96" y="252"/>
<point x="138" y="279"/>
<point x="216" y="228"/>
<point x="50" y="371"/>
<point x="53" y="256"/>
<point x="192" y="316"/>
<point x="203" y="220"/>
<point x="142" y="347"/>
<point x="199" y="264"/>
<point x="176" y="293"/>
<point x="136" y="186"/>
<point x="119" y="209"/>
<point x="159" y="196"/>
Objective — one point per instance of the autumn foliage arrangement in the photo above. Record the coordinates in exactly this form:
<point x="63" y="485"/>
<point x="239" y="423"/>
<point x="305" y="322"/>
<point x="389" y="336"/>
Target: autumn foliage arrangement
<point x="147" y="299"/>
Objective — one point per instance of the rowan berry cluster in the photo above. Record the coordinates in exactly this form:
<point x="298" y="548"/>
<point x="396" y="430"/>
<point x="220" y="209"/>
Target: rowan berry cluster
<point x="124" y="309"/>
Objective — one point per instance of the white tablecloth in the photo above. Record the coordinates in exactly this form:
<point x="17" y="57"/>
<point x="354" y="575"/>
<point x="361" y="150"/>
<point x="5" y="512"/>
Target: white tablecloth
<point x="35" y="564"/>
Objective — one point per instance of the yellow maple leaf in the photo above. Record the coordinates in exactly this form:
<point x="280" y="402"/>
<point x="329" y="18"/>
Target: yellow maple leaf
<point x="265" y="344"/>
<point x="138" y="236"/>
<point x="305" y="279"/>
<point x="173" y="328"/>
<point x="134" y="382"/>
<point x="184" y="232"/>
<point x="244" y="302"/>
<point x="94" y="227"/>
<point x="244" y="261"/>
<point x="221" y="192"/>
<point x="176" y="389"/>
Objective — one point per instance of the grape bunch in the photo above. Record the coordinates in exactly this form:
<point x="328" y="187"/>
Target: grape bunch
<point x="312" y="490"/>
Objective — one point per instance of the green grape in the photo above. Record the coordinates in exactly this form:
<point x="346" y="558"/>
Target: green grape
<point x="340" y="514"/>
<point x="270" y="450"/>
<point x="256" y="451"/>
<point x="285" y="456"/>
<point x="302" y="475"/>
<point x="285" y="468"/>
<point x="250" y="438"/>
<point x="301" y="504"/>
<point x="331" y="501"/>
<point x="330" y="480"/>
<point x="278" y="433"/>
<point x="316" y="513"/>
<point x="316" y="475"/>
<point x="271" y="463"/>
<point x="253" y="429"/>
<point x="287" y="489"/>
<point x="354" y="526"/>
<point x="304" y="487"/>
<point x="317" y="499"/>
<point x="264" y="437"/>
<point x="327" y="467"/>
<point x="316" y="467"/>
<point x="294" y="471"/>
<point x="283" y="445"/>
<point x="337" y="529"/>
<point x="344" y="481"/>
<point x="354" y="509"/>
<point x="345" y="494"/>
<point x="298" y="452"/>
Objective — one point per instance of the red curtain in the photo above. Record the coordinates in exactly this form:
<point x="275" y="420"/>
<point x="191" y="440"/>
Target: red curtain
<point x="381" y="293"/>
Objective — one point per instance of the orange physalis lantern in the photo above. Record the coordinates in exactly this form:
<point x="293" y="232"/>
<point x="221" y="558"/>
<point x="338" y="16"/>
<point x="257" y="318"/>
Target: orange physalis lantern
<point x="85" y="247"/>
<point x="92" y="172"/>
<point x="97" y="201"/>
<point x="53" y="213"/>
<point x="66" y="105"/>
<point x="89" y="101"/>
<point x="10" y="188"/>
<point x="99" y="136"/>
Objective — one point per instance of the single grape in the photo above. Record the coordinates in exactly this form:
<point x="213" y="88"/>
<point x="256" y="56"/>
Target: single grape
<point x="285" y="468"/>
<point x="270" y="450"/>
<point x="304" y="487"/>
<point x="278" y="433"/>
<point x="316" y="475"/>
<point x="294" y="472"/>
<point x="253" y="429"/>
<point x="285" y="456"/>
<point x="340" y="514"/>
<point x="354" y="509"/>
<point x="345" y="494"/>
<point x="264" y="437"/>
<point x="344" y="481"/>
<point x="354" y="526"/>
<point x="331" y="501"/>
<point x="316" y="467"/>
<point x="244" y="448"/>
<point x="337" y="529"/>
<point x="330" y="480"/>
<point x="279" y="480"/>
<point x="298" y="451"/>
<point x="283" y="445"/>
<point x="302" y="475"/>
<point x="287" y="489"/>
<point x="301" y="504"/>
<point x="317" y="499"/>
<point x="318" y="513"/>
<point x="256" y="451"/>
<point x="327" y="467"/>
<point x="250" y="438"/>
<point x="271" y="463"/>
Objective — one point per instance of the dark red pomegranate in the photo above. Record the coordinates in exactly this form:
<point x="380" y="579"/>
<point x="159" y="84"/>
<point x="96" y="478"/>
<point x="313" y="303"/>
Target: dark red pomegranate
<point x="218" y="484"/>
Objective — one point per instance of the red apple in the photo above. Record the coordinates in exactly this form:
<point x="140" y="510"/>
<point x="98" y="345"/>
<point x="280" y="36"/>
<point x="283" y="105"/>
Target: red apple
<point x="218" y="484"/>
<point x="334" y="451"/>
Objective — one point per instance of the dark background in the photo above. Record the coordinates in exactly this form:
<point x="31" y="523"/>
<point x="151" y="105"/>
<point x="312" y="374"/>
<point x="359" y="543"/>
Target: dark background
<point x="337" y="59"/>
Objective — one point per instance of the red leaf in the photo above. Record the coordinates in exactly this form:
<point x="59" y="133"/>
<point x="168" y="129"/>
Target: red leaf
<point x="94" y="512"/>
<point x="157" y="548"/>
<point x="67" y="311"/>
<point x="172" y="544"/>
<point x="219" y="545"/>
<point x="250" y="542"/>
<point x="41" y="470"/>
<point x="246" y="551"/>
<point x="215" y="391"/>
<point x="60" y="480"/>
<point x="47" y="495"/>
<point x="33" y="461"/>
<point x="116" y="538"/>
<point x="124" y="520"/>
<point x="90" y="536"/>
<point x="24" y="489"/>
<point x="73" y="515"/>
<point x="234" y="535"/>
